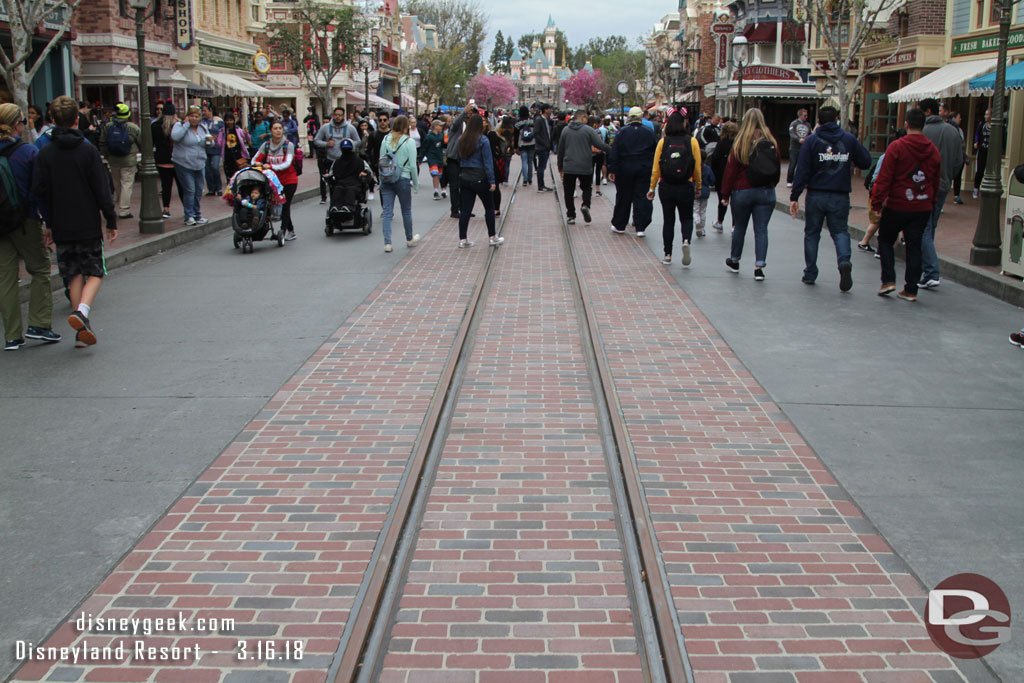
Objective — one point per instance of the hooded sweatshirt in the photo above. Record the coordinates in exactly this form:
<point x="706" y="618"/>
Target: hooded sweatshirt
<point x="72" y="188"/>
<point x="825" y="161"/>
<point x="575" y="156"/>
<point x="951" y="149"/>
<point x="909" y="177"/>
<point x="331" y="131"/>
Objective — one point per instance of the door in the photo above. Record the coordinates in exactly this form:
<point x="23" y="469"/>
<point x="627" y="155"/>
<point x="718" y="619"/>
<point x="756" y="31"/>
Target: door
<point x="880" y="122"/>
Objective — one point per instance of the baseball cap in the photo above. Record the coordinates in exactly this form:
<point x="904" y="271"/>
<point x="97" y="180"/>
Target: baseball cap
<point x="636" y="113"/>
<point x="122" y="110"/>
<point x="347" y="144"/>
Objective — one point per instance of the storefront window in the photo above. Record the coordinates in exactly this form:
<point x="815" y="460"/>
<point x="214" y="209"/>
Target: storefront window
<point x="104" y="96"/>
<point x="131" y="98"/>
<point x="980" y="14"/>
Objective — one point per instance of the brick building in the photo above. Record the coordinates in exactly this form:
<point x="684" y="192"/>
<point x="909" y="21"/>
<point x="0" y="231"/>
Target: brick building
<point x="105" y="60"/>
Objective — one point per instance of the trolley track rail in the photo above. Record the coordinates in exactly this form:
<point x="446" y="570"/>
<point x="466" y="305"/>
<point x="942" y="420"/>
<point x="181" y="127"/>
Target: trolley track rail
<point x="360" y="654"/>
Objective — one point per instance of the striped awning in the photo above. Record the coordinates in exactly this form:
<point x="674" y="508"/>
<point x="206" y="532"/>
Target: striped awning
<point x="232" y="86"/>
<point x="949" y="81"/>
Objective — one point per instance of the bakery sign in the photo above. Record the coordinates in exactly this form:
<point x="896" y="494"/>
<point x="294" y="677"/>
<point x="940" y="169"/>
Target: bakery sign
<point x="762" y="72"/>
<point x="183" y="29"/>
<point x="900" y="58"/>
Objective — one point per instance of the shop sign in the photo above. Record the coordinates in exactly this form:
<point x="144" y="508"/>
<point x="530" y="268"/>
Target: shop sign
<point x="825" y="65"/>
<point x="727" y="27"/>
<point x="908" y="57"/>
<point x="761" y="72"/>
<point x="184" y="31"/>
<point x="222" y="57"/>
<point x="723" y="52"/>
<point x="989" y="43"/>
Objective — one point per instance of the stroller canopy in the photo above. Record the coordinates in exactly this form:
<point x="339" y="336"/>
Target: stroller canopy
<point x="249" y="175"/>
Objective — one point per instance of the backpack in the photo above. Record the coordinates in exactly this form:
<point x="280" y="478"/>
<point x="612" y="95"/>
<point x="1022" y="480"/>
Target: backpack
<point x="526" y="134"/>
<point x="677" y="162"/>
<point x="119" y="142"/>
<point x="869" y="176"/>
<point x="764" y="164"/>
<point x="709" y="149"/>
<point x="387" y="169"/>
<point x="13" y="207"/>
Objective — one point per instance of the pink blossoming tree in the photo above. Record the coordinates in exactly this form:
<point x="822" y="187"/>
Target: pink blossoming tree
<point x="582" y="87"/>
<point x="491" y="90"/>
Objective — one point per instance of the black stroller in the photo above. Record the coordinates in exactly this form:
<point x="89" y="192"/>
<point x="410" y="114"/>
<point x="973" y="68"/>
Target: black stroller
<point x="349" y="180"/>
<point x="253" y="224"/>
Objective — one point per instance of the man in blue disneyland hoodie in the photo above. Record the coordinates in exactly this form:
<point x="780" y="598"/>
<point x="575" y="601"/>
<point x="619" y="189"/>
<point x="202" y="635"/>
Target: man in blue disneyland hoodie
<point x="824" y="169"/>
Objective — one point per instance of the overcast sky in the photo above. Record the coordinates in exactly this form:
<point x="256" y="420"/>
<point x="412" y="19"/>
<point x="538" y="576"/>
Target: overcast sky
<point x="581" y="20"/>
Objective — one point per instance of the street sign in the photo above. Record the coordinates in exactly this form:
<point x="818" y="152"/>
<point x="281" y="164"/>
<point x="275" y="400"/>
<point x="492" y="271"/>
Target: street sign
<point x="183" y="29"/>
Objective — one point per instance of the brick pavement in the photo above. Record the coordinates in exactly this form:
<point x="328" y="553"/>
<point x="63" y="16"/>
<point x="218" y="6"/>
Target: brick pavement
<point x="776" y="574"/>
<point x="517" y="574"/>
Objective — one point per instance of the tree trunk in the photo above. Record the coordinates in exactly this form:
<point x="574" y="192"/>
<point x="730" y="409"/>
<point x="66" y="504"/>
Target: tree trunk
<point x="19" y="88"/>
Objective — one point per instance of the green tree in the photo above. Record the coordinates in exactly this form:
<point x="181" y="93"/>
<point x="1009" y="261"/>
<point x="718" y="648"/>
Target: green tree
<point x="500" y="54"/>
<point x="441" y="70"/>
<point x="318" y="41"/>
<point x="460" y="24"/>
<point x="620" y="65"/>
<point x="594" y="48"/>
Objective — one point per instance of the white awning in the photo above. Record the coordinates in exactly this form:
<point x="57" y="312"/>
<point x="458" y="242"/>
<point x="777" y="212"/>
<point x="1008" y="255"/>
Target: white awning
<point x="233" y="86"/>
<point x="354" y="97"/>
<point x="949" y="81"/>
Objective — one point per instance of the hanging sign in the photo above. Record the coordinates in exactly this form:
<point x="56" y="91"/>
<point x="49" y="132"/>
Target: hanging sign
<point x="184" y="31"/>
<point x="723" y="51"/>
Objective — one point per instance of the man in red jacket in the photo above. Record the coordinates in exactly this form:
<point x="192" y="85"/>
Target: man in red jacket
<point x="904" y="194"/>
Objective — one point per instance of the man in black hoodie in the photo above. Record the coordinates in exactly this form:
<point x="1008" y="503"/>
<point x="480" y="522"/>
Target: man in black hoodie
<point x="824" y="168"/>
<point x="72" y="189"/>
<point x="542" y="145"/>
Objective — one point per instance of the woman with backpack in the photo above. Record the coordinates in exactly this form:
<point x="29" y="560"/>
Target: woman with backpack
<point x="751" y="174"/>
<point x="279" y="154"/>
<point x="719" y="158"/>
<point x="476" y="179"/>
<point x="677" y="175"/>
<point x="398" y="179"/>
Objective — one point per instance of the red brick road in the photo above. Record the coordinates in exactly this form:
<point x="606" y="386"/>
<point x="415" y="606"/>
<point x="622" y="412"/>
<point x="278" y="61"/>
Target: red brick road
<point x="517" y="573"/>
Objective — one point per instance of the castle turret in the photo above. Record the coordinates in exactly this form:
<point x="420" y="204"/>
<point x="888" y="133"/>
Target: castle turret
<point x="549" y="40"/>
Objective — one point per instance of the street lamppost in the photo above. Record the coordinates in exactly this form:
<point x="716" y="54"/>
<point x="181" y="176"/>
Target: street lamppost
<point x="739" y="58"/>
<point x="674" y="68"/>
<point x="458" y="100"/>
<point x="150" y="220"/>
<point x="418" y="75"/>
<point x="366" y="59"/>
<point x="985" y="249"/>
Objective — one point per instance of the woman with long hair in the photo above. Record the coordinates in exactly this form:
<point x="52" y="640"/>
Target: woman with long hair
<point x="751" y="174"/>
<point x="162" y="150"/>
<point x="717" y="162"/>
<point x="507" y="131"/>
<point x="279" y="154"/>
<point x="677" y="185"/>
<point x="498" y="157"/>
<point x="36" y="124"/>
<point x="233" y="141"/>
<point x="402" y="149"/>
<point x="476" y="179"/>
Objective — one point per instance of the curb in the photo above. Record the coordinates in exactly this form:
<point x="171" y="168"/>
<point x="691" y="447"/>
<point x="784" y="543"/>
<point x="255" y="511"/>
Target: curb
<point x="156" y="245"/>
<point x="1002" y="287"/>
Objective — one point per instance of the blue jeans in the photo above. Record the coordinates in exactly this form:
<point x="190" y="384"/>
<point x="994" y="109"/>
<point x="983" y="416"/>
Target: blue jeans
<point x="213" y="181"/>
<point x="402" y="188"/>
<point x="192" y="184"/>
<point x="527" y="156"/>
<point x="930" y="259"/>
<point x="833" y="207"/>
<point x="757" y="203"/>
<point x="542" y="165"/>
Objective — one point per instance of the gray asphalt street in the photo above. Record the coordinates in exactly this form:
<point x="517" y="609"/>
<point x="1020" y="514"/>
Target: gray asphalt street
<point x="98" y="443"/>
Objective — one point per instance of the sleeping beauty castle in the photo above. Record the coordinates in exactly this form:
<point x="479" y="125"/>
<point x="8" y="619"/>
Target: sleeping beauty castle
<point x="536" y="76"/>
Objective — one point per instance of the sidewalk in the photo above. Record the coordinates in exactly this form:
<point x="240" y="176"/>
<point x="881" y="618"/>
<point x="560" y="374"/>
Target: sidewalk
<point x="953" y="239"/>
<point x="132" y="246"/>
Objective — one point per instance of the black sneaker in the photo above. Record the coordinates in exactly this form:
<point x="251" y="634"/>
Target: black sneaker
<point x="80" y="323"/>
<point x="585" y="210"/>
<point x="758" y="274"/>
<point x="865" y="247"/>
<point x="845" y="277"/>
<point x="806" y="280"/>
<point x="13" y="344"/>
<point x="733" y="266"/>
<point x="43" y="333"/>
<point x="454" y="215"/>
<point x="570" y="221"/>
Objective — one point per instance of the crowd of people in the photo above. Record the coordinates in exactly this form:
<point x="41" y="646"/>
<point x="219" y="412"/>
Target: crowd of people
<point x="669" y="153"/>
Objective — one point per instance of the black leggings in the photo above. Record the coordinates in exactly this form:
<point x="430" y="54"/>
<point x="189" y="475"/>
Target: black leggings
<point x="979" y="173"/>
<point x="598" y="165"/>
<point x="721" y="210"/>
<point x="676" y="198"/>
<point x="469" y="191"/>
<point x="286" y="210"/>
<point x="167" y="178"/>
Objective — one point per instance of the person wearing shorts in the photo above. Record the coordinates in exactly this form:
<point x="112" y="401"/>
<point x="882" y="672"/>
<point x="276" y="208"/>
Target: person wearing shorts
<point x="72" y="192"/>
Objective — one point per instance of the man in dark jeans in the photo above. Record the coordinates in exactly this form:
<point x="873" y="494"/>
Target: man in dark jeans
<point x="907" y="187"/>
<point x="542" y="145"/>
<point x="576" y="162"/>
<point x="824" y="169"/>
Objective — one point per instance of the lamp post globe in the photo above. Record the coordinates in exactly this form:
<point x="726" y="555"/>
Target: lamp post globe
<point x="458" y="89"/>
<point x="674" y="69"/>
<point x="150" y="216"/>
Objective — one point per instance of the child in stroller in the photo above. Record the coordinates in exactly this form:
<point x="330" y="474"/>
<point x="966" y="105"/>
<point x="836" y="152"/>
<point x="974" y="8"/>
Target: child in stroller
<point x="350" y="180"/>
<point x="255" y="196"/>
<point x="251" y="209"/>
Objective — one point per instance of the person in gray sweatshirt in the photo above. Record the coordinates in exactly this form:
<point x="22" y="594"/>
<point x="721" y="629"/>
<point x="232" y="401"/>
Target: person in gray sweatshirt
<point x="576" y="162"/>
<point x="951" y="151"/>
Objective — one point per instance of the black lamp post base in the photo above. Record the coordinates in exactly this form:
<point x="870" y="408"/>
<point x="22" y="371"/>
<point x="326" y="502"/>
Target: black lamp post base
<point x="986" y="256"/>
<point x="151" y="226"/>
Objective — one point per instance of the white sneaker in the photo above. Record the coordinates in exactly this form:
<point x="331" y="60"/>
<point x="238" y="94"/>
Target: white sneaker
<point x="617" y="231"/>
<point x="437" y="195"/>
<point x="369" y="196"/>
<point x="604" y="182"/>
<point x="190" y="221"/>
<point x="444" y="194"/>
<point x="789" y="184"/>
<point x="387" y="248"/>
<point x="641" y="233"/>
<point x="686" y="254"/>
<point x="290" y="236"/>
<point x="667" y="260"/>
<point x="464" y="244"/>
<point x="201" y="221"/>
<point x="717" y="226"/>
<point x="495" y="241"/>
<point x="412" y="243"/>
